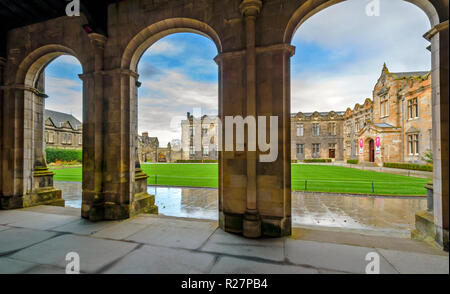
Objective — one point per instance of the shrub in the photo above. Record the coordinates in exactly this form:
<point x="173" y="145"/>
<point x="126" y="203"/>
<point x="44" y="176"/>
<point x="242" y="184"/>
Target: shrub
<point x="410" y="166"/>
<point x="62" y="155"/>
<point x="197" y="161"/>
<point x="353" y="161"/>
<point x="294" y="161"/>
<point x="317" y="161"/>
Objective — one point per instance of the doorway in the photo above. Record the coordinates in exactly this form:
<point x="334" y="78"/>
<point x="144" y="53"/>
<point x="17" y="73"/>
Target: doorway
<point x="372" y="151"/>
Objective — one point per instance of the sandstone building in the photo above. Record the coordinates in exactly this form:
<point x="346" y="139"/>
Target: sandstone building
<point x="317" y="136"/>
<point x="397" y="125"/>
<point x="62" y="130"/>
<point x="200" y="138"/>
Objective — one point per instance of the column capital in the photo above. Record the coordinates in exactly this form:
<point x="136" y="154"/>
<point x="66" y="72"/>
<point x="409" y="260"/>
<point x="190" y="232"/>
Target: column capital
<point x="250" y="7"/>
<point x="436" y="29"/>
<point x="98" y="40"/>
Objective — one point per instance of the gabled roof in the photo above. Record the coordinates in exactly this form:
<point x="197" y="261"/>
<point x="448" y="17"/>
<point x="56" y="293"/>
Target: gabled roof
<point x="59" y="119"/>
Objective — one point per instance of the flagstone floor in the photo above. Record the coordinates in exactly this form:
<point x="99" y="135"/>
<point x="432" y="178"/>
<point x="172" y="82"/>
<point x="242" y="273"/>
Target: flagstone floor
<point x="37" y="241"/>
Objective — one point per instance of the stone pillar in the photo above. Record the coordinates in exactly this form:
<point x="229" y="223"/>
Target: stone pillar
<point x="252" y="222"/>
<point x="2" y="66"/>
<point x="93" y="134"/>
<point x="124" y="186"/>
<point x="439" y="38"/>
<point x="255" y="196"/>
<point x="273" y="100"/>
<point x="42" y="190"/>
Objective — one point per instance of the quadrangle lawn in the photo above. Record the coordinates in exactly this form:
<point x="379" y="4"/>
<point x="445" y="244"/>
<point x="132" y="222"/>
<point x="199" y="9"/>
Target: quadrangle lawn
<point x="314" y="178"/>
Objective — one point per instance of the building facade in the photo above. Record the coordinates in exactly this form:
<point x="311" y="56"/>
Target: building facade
<point x="400" y="128"/>
<point x="200" y="138"/>
<point x="317" y="136"/>
<point x="150" y="151"/>
<point x="62" y="131"/>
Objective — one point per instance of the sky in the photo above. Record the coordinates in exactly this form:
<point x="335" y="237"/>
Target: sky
<point x="340" y="52"/>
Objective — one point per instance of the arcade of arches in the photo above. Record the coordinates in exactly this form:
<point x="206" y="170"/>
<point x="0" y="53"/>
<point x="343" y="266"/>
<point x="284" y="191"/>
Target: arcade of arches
<point x="253" y="40"/>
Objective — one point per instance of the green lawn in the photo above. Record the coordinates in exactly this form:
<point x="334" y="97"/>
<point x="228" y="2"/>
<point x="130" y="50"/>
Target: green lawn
<point x="314" y="178"/>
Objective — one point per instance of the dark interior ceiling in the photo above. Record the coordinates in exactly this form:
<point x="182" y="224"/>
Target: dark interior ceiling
<point x="18" y="13"/>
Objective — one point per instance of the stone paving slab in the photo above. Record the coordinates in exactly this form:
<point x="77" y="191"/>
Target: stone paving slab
<point x="84" y="227"/>
<point x="415" y="263"/>
<point x="40" y="221"/>
<point x="54" y="210"/>
<point x="10" y="266"/>
<point x="174" y="233"/>
<point x="230" y="265"/>
<point x="46" y="270"/>
<point x="351" y="259"/>
<point x="119" y="231"/>
<point x="156" y="260"/>
<point x="11" y="216"/>
<point x="94" y="253"/>
<point x="222" y="242"/>
<point x="17" y="238"/>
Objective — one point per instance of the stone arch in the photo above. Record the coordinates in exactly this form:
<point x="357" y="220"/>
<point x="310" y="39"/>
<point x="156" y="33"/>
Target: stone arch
<point x="311" y="7"/>
<point x="150" y="35"/>
<point x="37" y="179"/>
<point x="36" y="61"/>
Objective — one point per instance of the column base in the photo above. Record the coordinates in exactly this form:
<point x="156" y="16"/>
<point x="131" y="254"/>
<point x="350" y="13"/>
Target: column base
<point x="254" y="228"/>
<point x="426" y="231"/>
<point x="252" y="225"/>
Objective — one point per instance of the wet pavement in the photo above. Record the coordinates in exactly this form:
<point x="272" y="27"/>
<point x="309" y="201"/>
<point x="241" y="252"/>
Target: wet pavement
<point x="385" y="216"/>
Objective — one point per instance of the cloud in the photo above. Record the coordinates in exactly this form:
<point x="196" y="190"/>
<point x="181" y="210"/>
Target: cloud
<point x="341" y="51"/>
<point x="166" y="48"/>
<point x="173" y="94"/>
<point x="65" y="95"/>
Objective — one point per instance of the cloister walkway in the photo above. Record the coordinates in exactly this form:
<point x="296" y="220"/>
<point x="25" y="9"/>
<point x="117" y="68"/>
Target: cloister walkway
<point x="37" y="240"/>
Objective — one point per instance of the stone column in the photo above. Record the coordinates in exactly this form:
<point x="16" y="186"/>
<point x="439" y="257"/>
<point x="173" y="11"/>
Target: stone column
<point x="93" y="134"/>
<point x="2" y="66"/>
<point x="124" y="189"/>
<point x="273" y="100"/>
<point x="439" y="38"/>
<point x="252" y="223"/>
<point x="42" y="190"/>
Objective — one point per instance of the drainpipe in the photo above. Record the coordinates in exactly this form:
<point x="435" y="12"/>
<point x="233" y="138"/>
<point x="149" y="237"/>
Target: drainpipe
<point x="250" y="9"/>
<point x="403" y="127"/>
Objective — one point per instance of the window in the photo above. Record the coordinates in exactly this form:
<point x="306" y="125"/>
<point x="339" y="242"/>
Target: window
<point x="64" y="138"/>
<point x="316" y="129"/>
<point x="332" y="146"/>
<point x="316" y="150"/>
<point x="191" y="131"/>
<point x="51" y="137"/>
<point x="332" y="129"/>
<point x="413" y="108"/>
<point x="205" y="150"/>
<point x="300" y="130"/>
<point x="357" y="125"/>
<point x="384" y="106"/>
<point x="300" y="149"/>
<point x="205" y="131"/>
<point x="192" y="150"/>
<point x="80" y="139"/>
<point x="47" y="139"/>
<point x="69" y="139"/>
<point x="413" y="143"/>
